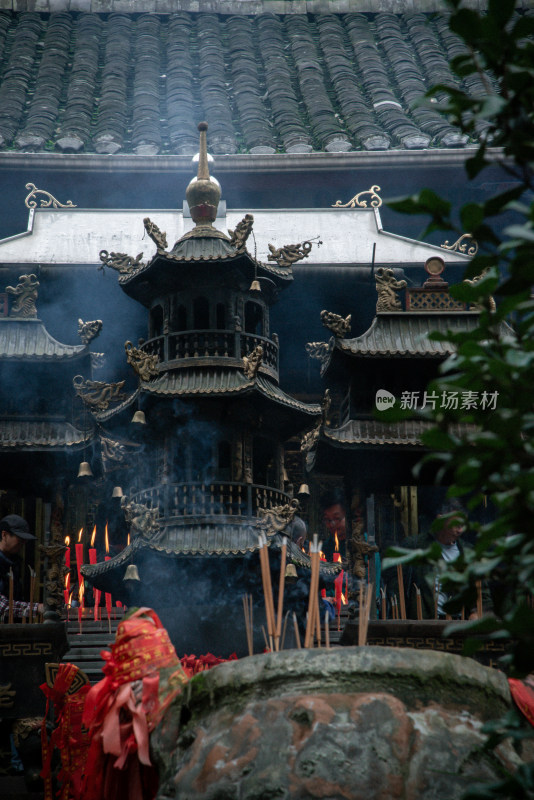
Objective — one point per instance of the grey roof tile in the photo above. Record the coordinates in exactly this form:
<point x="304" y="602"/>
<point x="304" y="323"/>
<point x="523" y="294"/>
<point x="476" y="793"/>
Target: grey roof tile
<point x="24" y="435"/>
<point x="29" y="340"/>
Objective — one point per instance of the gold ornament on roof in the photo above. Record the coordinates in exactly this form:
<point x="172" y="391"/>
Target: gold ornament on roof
<point x="252" y="362"/>
<point x="290" y="253"/>
<point x="142" y="520"/>
<point x="491" y="300"/>
<point x="158" y="237"/>
<point x="241" y="232"/>
<point x="87" y="331"/>
<point x="45" y="202"/>
<point x="145" y="364"/>
<point x="326" y="404"/>
<point x="98" y="394"/>
<point x="340" y="326"/>
<point x="356" y="202"/>
<point x="277" y="518"/>
<point x="320" y="350"/>
<point x="310" y="439"/>
<point x="112" y="450"/>
<point x="461" y="245"/>
<point x="387" y="285"/>
<point x="122" y="262"/>
<point x="26" y="293"/>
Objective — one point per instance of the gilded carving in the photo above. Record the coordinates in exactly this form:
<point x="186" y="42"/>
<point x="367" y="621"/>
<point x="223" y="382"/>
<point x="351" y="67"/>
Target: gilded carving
<point x="121" y="262"/>
<point x="241" y="232"/>
<point x="326" y="404"/>
<point x="26" y="294"/>
<point x="47" y="201"/>
<point x="319" y="350"/>
<point x="26" y="648"/>
<point x="310" y="439"/>
<point x="158" y="237"/>
<point x="97" y="393"/>
<point x="54" y="553"/>
<point x="112" y="450"/>
<point x="277" y="518"/>
<point x="356" y="201"/>
<point x="87" y="331"/>
<point x="462" y="245"/>
<point x="340" y="326"/>
<point x="252" y="362"/>
<point x="7" y="696"/>
<point x="145" y="364"/>
<point x="142" y="520"/>
<point x="22" y="728"/>
<point x="491" y="299"/>
<point x="290" y="253"/>
<point x="386" y="286"/>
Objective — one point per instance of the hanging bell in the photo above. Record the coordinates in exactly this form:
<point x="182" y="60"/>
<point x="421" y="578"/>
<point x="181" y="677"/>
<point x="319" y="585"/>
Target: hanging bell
<point x="139" y="418"/>
<point x="291" y="572"/>
<point x="85" y="470"/>
<point x="304" y="489"/>
<point x="117" y="491"/>
<point x="255" y="286"/>
<point x="132" y="573"/>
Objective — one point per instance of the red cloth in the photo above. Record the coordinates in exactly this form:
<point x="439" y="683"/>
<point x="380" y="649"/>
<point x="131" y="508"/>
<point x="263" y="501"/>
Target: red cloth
<point x="68" y="736"/>
<point x="123" y="708"/>
<point x="523" y="696"/>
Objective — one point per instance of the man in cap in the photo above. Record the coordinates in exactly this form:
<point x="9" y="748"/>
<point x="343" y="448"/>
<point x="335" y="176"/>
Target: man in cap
<point x="14" y="533"/>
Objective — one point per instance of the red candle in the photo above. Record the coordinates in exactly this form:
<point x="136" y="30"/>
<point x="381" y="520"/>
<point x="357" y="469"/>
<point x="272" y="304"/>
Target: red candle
<point x="80" y="605"/>
<point x="96" y="592"/>
<point x="79" y="557"/>
<point x="108" y="600"/>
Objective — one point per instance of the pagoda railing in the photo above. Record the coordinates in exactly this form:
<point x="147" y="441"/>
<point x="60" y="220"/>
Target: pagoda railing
<point x="226" y="498"/>
<point x="212" y="344"/>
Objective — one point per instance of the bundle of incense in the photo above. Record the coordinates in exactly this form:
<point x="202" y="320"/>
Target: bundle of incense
<point x="281" y="586"/>
<point x="296" y="630"/>
<point x="402" y="599"/>
<point x="247" y="608"/>
<point x="317" y="615"/>
<point x="480" y="609"/>
<point x="10" y="612"/>
<point x="313" y="607"/>
<point x="267" y="589"/>
<point x="419" y="602"/>
<point x="383" y="605"/>
<point x="33" y="576"/>
<point x="366" y="598"/>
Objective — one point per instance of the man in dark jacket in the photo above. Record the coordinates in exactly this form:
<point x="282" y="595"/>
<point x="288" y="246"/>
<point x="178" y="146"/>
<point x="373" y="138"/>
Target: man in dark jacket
<point x="14" y="533"/>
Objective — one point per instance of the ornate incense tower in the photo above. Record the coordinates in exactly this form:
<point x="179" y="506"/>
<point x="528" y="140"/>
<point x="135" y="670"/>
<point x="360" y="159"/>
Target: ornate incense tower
<point x="209" y="459"/>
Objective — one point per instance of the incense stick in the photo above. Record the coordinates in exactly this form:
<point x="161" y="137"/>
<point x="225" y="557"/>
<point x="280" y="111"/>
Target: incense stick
<point x="284" y="630"/>
<point x="267" y="589"/>
<point x="247" y="609"/>
<point x="480" y="610"/>
<point x="296" y="629"/>
<point x="327" y="630"/>
<point x="281" y="586"/>
<point x="309" y="620"/>
<point x="419" y="602"/>
<point x="32" y="590"/>
<point x="265" y="637"/>
<point x="10" y="614"/>
<point x="360" y="615"/>
<point x="383" y="605"/>
<point x="402" y="599"/>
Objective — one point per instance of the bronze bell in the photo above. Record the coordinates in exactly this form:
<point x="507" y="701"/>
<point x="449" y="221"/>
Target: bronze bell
<point x="117" y="492"/>
<point x="255" y="286"/>
<point x="291" y="573"/>
<point x="132" y="573"/>
<point x="85" y="470"/>
<point x="139" y="418"/>
<point x="304" y="489"/>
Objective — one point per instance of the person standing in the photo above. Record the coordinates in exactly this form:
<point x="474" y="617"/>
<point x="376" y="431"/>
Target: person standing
<point x="14" y="533"/>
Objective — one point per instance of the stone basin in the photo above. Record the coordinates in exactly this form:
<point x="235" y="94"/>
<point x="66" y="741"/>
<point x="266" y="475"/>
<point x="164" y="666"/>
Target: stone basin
<point x="353" y="723"/>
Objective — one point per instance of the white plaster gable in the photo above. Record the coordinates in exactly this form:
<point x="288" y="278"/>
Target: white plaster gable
<point x="76" y="236"/>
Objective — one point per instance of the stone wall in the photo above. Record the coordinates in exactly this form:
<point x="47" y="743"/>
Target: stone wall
<point x="240" y="6"/>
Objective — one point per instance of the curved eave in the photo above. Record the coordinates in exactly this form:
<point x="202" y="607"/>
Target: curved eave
<point x="168" y="271"/>
<point x="28" y="340"/>
<point x="104" y="416"/>
<point x="31" y="436"/>
<point x="373" y="433"/>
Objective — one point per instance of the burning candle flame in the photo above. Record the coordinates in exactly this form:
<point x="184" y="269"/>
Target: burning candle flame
<point x="81" y="593"/>
<point x="336" y="540"/>
<point x="93" y="537"/>
<point x="80" y="535"/>
<point x="128" y="540"/>
<point x="107" y="539"/>
<point x="67" y="541"/>
<point x="70" y="599"/>
<point x="343" y="599"/>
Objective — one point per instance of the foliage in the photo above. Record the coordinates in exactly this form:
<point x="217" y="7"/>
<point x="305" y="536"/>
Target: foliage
<point x="493" y="458"/>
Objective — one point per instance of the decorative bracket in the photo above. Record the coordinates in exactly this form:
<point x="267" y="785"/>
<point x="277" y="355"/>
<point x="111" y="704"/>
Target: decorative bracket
<point x="355" y="202"/>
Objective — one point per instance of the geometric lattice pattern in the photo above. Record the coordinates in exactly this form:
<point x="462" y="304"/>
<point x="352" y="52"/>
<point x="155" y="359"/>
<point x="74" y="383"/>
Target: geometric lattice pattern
<point x="80" y="679"/>
<point x="431" y="300"/>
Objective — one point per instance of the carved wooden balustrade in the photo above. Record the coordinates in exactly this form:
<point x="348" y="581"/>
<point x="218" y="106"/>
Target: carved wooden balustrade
<point x="213" y="344"/>
<point x="219" y="498"/>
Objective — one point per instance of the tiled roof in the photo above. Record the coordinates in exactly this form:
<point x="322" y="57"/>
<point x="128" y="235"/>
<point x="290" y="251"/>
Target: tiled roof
<point x="75" y="82"/>
<point x="31" y="435"/>
<point x="210" y="381"/>
<point x="373" y="432"/>
<point x="28" y="339"/>
<point x="407" y="334"/>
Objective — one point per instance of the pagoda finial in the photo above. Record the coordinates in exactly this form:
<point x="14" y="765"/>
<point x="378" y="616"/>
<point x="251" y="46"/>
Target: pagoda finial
<point x="203" y="193"/>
